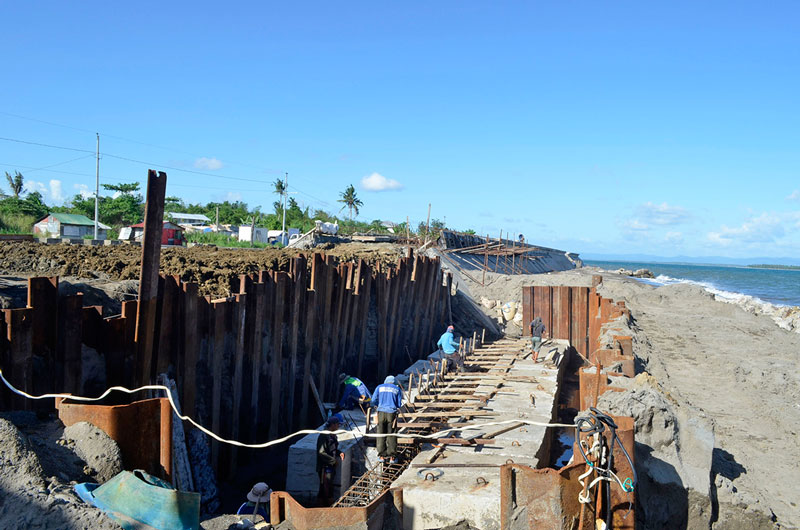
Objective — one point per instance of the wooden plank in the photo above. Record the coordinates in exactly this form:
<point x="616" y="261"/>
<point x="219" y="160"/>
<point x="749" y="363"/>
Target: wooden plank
<point x="148" y="278"/>
<point x="298" y="292"/>
<point x="276" y="355"/>
<point x="68" y="348"/>
<point x="191" y="347"/>
<point x="19" y="333"/>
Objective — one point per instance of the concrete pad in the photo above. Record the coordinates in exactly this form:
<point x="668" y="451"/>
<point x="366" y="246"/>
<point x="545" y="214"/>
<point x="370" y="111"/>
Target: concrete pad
<point x="473" y="493"/>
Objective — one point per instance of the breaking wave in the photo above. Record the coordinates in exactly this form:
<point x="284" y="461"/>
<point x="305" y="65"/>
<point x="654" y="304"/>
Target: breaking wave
<point x="785" y="316"/>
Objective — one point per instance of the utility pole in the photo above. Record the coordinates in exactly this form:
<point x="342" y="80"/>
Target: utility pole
<point x="97" y="186"/>
<point x="285" y="193"/>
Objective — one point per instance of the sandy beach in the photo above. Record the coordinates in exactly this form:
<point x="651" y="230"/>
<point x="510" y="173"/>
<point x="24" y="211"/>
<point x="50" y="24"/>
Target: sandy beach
<point x="729" y="379"/>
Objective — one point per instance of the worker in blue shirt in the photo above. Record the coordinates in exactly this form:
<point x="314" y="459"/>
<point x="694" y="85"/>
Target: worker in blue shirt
<point x="355" y="393"/>
<point x="448" y="345"/>
<point x="389" y="398"/>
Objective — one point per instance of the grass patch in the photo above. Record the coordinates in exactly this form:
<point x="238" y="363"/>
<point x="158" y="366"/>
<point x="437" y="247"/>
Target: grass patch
<point x="221" y="240"/>
<point x="16" y="223"/>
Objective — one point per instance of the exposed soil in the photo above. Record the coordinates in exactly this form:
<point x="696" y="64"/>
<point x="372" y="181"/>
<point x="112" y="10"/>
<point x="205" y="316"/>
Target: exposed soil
<point x="216" y="270"/>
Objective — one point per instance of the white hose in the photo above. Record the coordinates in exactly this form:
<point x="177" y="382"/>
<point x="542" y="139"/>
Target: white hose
<point x="278" y="440"/>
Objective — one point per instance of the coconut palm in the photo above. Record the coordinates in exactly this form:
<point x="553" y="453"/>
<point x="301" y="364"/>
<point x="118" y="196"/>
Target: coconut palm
<point x="350" y="201"/>
<point x="15" y="183"/>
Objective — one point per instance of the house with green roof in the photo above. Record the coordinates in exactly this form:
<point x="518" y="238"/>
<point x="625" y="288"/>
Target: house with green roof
<point x="68" y="225"/>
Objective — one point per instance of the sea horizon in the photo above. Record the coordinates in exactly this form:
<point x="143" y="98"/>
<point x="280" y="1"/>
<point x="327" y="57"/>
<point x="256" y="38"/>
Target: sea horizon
<point x="731" y="282"/>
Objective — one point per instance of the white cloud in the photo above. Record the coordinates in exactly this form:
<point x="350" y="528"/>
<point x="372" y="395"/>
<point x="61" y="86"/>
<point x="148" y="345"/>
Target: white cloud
<point x="51" y="192"/>
<point x="377" y="182"/>
<point x="233" y="196"/>
<point x="765" y="228"/>
<point x="208" y="164"/>
<point x="663" y="214"/>
<point x="673" y="237"/>
<point x="794" y="196"/>
<point x="84" y="190"/>
<point x="635" y="225"/>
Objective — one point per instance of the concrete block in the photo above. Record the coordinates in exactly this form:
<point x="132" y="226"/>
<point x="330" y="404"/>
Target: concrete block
<point x="302" y="480"/>
<point x="93" y="242"/>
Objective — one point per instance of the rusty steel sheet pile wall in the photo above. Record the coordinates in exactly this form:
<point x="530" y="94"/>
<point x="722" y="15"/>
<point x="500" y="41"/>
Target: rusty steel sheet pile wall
<point x="243" y="364"/>
<point x="598" y="328"/>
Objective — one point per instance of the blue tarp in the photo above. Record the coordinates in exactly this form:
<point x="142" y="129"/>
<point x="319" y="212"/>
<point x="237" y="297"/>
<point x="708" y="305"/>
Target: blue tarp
<point x="138" y="501"/>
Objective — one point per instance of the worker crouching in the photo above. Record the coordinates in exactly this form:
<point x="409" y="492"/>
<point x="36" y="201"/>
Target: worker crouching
<point x="389" y="399"/>
<point x="355" y="393"/>
<point x="449" y="347"/>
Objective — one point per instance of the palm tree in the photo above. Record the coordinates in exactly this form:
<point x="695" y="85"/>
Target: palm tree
<point x="351" y="202"/>
<point x="15" y="182"/>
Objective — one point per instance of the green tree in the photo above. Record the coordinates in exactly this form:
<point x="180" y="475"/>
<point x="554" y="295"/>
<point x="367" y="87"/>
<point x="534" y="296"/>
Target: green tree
<point x="122" y="187"/>
<point x="350" y="200"/>
<point x="15" y="183"/>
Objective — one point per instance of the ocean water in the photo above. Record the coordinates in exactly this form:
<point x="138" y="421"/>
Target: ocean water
<point x="731" y="283"/>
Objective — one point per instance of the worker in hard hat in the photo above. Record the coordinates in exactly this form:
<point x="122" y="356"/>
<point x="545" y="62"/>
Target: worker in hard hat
<point x="328" y="457"/>
<point x="355" y="393"/>
<point x="257" y="501"/>
<point x="449" y="348"/>
<point x="389" y="399"/>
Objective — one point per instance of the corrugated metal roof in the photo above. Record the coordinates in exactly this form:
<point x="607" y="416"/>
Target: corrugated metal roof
<point x="76" y="219"/>
<point x="194" y="216"/>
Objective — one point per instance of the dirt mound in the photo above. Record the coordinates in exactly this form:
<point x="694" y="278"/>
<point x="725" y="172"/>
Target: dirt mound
<point x="216" y="270"/>
<point x="28" y="455"/>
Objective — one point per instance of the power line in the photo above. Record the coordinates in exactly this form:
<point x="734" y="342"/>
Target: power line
<point x="268" y="170"/>
<point x="46" y="145"/>
<point x="31" y="169"/>
<point x="152" y="164"/>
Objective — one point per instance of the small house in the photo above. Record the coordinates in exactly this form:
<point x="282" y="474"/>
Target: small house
<point x="68" y="225"/>
<point x="171" y="234"/>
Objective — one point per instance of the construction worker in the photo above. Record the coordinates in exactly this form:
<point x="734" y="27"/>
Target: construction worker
<point x="355" y="393"/>
<point x="257" y="501"/>
<point x="449" y="347"/>
<point x="389" y="398"/>
<point x="328" y="457"/>
<point x="537" y="332"/>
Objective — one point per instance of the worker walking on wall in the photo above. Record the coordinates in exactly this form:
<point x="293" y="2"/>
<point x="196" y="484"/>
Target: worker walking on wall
<point x="449" y="347"/>
<point x="389" y="398"/>
<point x="537" y="332"/>
<point x="355" y="393"/>
<point x="328" y="457"/>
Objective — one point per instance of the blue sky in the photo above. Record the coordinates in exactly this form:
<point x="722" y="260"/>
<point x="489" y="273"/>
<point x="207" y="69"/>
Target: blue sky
<point x="624" y="127"/>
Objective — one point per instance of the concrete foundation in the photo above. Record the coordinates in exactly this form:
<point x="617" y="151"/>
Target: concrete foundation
<point x="468" y="483"/>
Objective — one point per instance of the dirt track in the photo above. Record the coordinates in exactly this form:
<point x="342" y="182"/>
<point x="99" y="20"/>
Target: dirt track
<point x="216" y="270"/>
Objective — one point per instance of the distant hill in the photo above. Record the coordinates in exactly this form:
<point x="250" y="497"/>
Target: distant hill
<point x="713" y="260"/>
